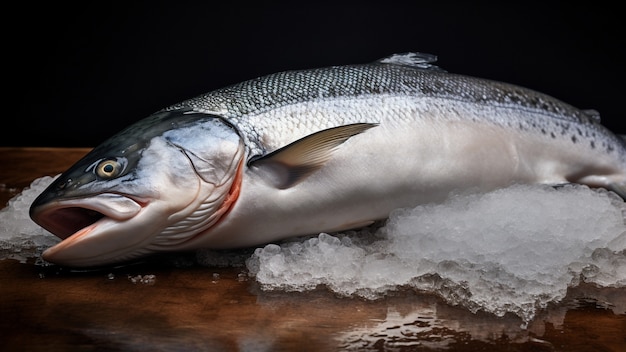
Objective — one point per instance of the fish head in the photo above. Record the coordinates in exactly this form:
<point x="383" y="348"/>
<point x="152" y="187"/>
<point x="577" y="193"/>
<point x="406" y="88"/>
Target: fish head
<point x="147" y="189"/>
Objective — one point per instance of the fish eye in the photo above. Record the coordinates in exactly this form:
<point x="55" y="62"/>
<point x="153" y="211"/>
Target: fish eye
<point x="109" y="168"/>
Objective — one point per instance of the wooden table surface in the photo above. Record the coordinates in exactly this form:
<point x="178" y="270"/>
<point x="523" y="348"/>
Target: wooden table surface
<point x="199" y="308"/>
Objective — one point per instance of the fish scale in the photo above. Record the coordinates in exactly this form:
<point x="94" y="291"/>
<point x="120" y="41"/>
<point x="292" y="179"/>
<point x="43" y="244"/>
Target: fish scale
<point x="249" y="105"/>
<point x="291" y="87"/>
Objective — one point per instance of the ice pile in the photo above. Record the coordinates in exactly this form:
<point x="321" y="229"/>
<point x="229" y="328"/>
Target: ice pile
<point x="511" y="250"/>
<point x="20" y="237"/>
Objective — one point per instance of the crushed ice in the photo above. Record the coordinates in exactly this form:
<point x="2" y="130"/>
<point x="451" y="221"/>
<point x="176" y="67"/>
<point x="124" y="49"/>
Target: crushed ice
<point x="20" y="237"/>
<point x="143" y="279"/>
<point x="512" y="250"/>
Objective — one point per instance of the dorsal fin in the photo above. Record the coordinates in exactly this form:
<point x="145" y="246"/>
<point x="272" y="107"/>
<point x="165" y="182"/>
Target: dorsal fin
<point x="592" y="114"/>
<point x="415" y="59"/>
<point x="291" y="164"/>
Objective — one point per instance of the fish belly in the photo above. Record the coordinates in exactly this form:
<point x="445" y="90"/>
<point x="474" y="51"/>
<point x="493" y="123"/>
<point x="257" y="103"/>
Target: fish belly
<point x="370" y="175"/>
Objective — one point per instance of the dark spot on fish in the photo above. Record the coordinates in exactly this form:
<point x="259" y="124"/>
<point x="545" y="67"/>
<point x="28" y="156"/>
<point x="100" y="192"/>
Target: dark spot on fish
<point x="540" y="103"/>
<point x="552" y="135"/>
<point x="593" y="144"/>
<point x="64" y="185"/>
<point x="609" y="148"/>
<point x="543" y="131"/>
<point x="514" y="98"/>
<point x="574" y="139"/>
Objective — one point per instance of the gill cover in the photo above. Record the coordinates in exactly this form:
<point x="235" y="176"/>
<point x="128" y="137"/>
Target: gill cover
<point x="212" y="145"/>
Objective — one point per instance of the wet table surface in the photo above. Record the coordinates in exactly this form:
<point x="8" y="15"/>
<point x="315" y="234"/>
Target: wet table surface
<point x="158" y="306"/>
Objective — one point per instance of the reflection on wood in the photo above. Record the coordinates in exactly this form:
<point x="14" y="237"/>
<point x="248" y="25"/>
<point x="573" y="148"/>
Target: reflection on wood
<point x="190" y="307"/>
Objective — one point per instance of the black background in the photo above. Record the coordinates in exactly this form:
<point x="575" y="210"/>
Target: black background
<point x="78" y="73"/>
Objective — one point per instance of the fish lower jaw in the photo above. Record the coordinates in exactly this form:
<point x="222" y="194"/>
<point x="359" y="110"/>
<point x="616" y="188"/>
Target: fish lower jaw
<point x="97" y="245"/>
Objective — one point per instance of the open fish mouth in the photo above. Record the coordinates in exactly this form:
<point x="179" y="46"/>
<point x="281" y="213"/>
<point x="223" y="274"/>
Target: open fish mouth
<point x="94" y="230"/>
<point x="64" y="222"/>
<point x="66" y="217"/>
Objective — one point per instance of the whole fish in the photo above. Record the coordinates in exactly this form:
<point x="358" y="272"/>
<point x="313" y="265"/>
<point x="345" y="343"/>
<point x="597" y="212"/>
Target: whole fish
<point x="310" y="151"/>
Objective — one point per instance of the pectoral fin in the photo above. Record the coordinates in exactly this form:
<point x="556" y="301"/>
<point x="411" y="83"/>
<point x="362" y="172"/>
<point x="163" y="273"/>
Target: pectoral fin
<point x="289" y="165"/>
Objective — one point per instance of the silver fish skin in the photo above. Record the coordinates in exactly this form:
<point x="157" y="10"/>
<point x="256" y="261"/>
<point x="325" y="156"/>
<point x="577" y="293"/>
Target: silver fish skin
<point x="320" y="150"/>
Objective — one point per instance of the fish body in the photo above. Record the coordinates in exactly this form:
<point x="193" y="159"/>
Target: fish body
<point x="320" y="150"/>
